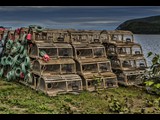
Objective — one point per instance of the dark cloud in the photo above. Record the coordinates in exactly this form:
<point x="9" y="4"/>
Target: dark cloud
<point x="80" y="17"/>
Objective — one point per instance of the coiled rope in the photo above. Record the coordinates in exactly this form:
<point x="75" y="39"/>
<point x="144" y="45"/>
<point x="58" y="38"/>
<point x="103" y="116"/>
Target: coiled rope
<point x="15" y="62"/>
<point x="9" y="44"/>
<point x="9" y="60"/>
<point x="3" y="60"/>
<point x="1" y="72"/>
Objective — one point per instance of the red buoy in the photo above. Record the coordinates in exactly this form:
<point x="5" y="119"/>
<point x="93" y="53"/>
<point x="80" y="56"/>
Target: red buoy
<point x="2" y="29"/>
<point x="18" y="31"/>
<point x="46" y="58"/>
<point x="21" y="75"/>
<point x="29" y="36"/>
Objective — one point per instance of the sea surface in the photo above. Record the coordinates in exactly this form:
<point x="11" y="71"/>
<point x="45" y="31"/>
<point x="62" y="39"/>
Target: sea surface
<point x="148" y="43"/>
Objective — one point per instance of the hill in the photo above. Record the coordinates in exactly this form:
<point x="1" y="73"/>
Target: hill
<point x="148" y="25"/>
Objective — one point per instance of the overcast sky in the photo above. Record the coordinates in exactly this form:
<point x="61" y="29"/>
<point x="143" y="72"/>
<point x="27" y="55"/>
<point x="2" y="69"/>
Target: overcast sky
<point x="78" y="17"/>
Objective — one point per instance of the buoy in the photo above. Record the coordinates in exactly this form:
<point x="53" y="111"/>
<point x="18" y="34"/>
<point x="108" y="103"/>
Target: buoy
<point x="29" y="36"/>
<point x="30" y="45"/>
<point x="21" y="75"/>
<point x="18" y="31"/>
<point x="46" y="58"/>
<point x="2" y="29"/>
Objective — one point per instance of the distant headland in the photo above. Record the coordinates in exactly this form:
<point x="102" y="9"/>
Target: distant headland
<point x="147" y="25"/>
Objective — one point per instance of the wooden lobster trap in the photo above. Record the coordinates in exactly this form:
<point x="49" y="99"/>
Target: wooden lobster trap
<point x="121" y="50"/>
<point x="116" y="36"/>
<point x="128" y="69"/>
<point x="62" y="50"/>
<point x="84" y="51"/>
<point x="56" y="76"/>
<point x="96" y="73"/>
<point x="84" y="36"/>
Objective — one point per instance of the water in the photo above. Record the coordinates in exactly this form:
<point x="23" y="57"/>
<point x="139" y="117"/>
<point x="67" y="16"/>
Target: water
<point x="148" y="43"/>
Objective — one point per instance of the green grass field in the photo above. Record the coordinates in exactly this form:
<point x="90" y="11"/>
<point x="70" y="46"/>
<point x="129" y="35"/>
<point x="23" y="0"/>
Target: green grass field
<point x="18" y="99"/>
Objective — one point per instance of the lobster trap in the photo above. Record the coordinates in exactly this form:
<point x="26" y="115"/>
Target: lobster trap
<point x="63" y="50"/>
<point x="60" y="72"/>
<point x="53" y="85"/>
<point x="84" y="51"/>
<point x="96" y="72"/>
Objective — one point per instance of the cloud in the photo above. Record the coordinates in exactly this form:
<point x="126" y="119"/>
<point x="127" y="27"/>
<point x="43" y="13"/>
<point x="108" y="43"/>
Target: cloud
<point x="91" y="22"/>
<point x="157" y="10"/>
<point x="55" y="24"/>
<point x="14" y="22"/>
<point x="29" y="8"/>
<point x="73" y="16"/>
<point x="101" y="22"/>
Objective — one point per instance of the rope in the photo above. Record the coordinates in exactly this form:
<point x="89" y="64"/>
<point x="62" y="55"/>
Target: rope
<point x="42" y="53"/>
<point x="21" y="49"/>
<point x="9" y="60"/>
<point x="4" y="36"/>
<point x="1" y="72"/>
<point x="32" y="26"/>
<point x="17" y="60"/>
<point x="9" y="44"/>
<point x="28" y="77"/>
<point x="2" y="43"/>
<point x="39" y="28"/>
<point x="18" y="71"/>
<point x="23" y="54"/>
<point x="17" y="45"/>
<point x="23" y="68"/>
<point x="3" y="60"/>
<point x="27" y="62"/>
<point x="24" y="41"/>
<point x="14" y="50"/>
<point x="10" y="75"/>
<point x="14" y="61"/>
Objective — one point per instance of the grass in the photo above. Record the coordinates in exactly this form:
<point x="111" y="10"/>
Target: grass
<point x="18" y="99"/>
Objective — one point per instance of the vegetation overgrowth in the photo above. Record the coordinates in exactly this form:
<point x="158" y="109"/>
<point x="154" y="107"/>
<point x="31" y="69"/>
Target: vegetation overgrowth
<point x="19" y="99"/>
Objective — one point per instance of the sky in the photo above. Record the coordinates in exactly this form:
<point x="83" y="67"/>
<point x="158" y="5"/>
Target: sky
<point x="76" y="17"/>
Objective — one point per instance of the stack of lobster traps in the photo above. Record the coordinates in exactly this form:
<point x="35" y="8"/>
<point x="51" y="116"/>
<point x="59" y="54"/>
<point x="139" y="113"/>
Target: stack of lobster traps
<point x="91" y="60"/>
<point x="74" y="63"/>
<point x="53" y="67"/>
<point x="126" y="56"/>
<point x="57" y="61"/>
